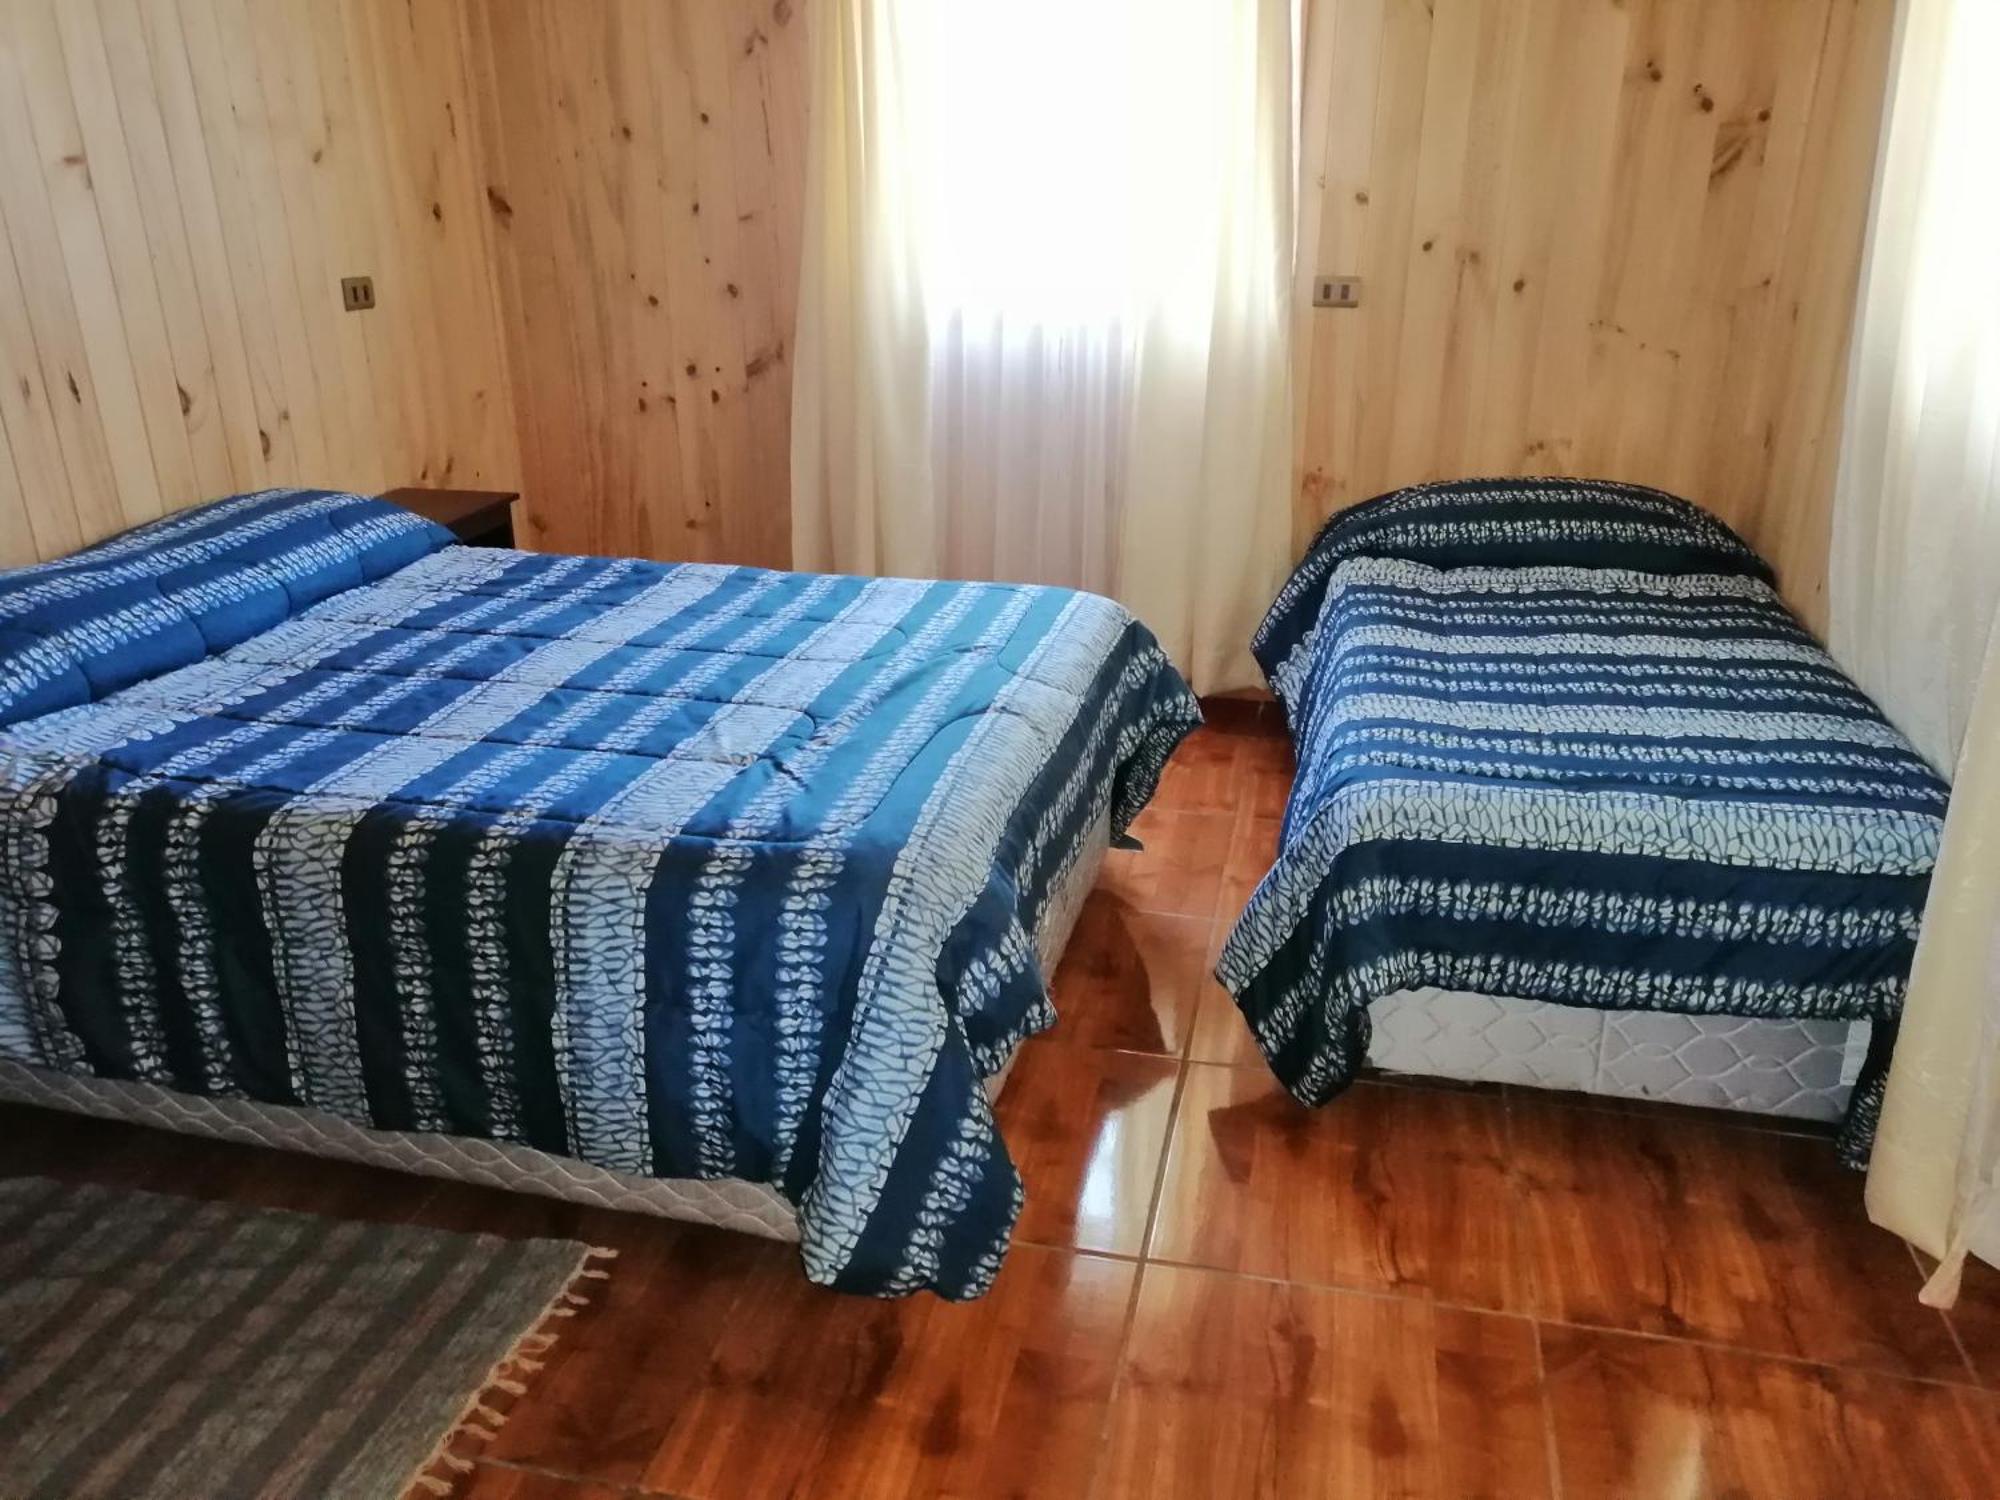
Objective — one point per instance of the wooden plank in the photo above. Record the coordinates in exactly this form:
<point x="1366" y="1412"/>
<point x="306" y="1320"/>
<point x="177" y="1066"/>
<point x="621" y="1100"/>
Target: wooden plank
<point x="647" y="170"/>
<point x="230" y="292"/>
<point x="273" y="146"/>
<point x="385" y="398"/>
<point x="131" y="320"/>
<point x="297" y="133"/>
<point x="480" y="413"/>
<point x="488" y="90"/>
<point x="105" y="364"/>
<point x="63" y="383"/>
<point x="290" y="435"/>
<point x="1400" y="100"/>
<point x="17" y="532"/>
<point x="517" y="116"/>
<point x="743" y="52"/>
<point x="740" y="477"/>
<point x="1346" y="48"/>
<point x="440" y="210"/>
<point x="118" y="27"/>
<point x="27" y="416"/>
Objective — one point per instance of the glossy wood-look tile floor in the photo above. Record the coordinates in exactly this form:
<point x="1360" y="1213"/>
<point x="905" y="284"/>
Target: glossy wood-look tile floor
<point x="1421" y="1290"/>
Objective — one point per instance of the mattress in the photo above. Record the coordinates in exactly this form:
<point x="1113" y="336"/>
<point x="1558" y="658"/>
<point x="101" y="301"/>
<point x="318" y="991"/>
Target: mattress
<point x="1801" y="1069"/>
<point x="727" y="1203"/>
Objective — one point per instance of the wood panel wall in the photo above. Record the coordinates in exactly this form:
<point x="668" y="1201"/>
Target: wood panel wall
<point x="1615" y="237"/>
<point x="1606" y="237"/>
<point x="182" y="185"/>
<point x="645" y="177"/>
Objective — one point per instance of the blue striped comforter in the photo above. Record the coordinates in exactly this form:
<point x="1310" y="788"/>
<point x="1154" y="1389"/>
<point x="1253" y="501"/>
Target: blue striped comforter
<point x="1568" y="780"/>
<point x="680" y="870"/>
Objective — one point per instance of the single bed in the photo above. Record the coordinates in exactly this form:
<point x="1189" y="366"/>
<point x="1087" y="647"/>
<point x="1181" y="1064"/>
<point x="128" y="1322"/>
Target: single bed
<point x="1561" y="745"/>
<point x="690" y="873"/>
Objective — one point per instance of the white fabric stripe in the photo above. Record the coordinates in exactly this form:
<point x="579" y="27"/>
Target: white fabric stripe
<point x="1747" y="835"/>
<point x="69" y="741"/>
<point x="1684" y="669"/>
<point x="486" y="879"/>
<point x="298" y="851"/>
<point x="1609" y="748"/>
<point x="66" y="577"/>
<point x="410" y="946"/>
<point x="1585" y="690"/>
<point x="1448" y="643"/>
<point x="1618" y="583"/>
<point x="1769" y="780"/>
<point x="802" y="923"/>
<point x="186" y="897"/>
<point x="31" y="1019"/>
<point x="602" y="878"/>
<point x="1066" y="658"/>
<point x="1481" y="606"/>
<point x="899" y="1023"/>
<point x="1650" y="722"/>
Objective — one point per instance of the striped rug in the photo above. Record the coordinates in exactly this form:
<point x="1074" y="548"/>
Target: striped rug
<point x="164" y="1346"/>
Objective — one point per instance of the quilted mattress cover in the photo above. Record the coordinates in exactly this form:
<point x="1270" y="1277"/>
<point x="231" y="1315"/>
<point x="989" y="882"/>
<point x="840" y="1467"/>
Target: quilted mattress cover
<point x="1798" y="1069"/>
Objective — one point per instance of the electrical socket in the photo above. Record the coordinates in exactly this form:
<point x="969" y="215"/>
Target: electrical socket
<point x="357" y="293"/>
<point x="1336" y="291"/>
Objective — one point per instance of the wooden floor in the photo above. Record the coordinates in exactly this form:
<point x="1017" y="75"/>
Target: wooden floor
<point x="1418" y="1291"/>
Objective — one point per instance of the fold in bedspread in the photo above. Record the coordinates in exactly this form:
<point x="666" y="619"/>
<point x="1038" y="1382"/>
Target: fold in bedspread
<point x="1585" y="785"/>
<point x="681" y="870"/>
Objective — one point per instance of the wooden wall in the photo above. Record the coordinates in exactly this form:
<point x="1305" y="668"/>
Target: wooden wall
<point x="1608" y="237"/>
<point x="1596" y="236"/>
<point x="645" y="178"/>
<point x="182" y="185"/>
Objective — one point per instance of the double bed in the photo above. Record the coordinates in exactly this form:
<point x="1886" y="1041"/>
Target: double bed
<point x="1567" y="765"/>
<point x="318" y="827"/>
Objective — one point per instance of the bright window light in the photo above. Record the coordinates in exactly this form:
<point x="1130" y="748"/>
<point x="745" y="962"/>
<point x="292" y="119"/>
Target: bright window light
<point x="1068" y="158"/>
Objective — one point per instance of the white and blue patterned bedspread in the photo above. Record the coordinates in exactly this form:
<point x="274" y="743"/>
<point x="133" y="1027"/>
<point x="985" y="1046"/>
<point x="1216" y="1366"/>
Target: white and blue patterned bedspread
<point x="1584" y="784"/>
<point x="682" y="870"/>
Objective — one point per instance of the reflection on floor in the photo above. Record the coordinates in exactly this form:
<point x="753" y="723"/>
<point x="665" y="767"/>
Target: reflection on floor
<point x="1420" y="1290"/>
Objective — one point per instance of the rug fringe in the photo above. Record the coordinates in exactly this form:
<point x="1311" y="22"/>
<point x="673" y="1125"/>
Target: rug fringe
<point x="478" y="1421"/>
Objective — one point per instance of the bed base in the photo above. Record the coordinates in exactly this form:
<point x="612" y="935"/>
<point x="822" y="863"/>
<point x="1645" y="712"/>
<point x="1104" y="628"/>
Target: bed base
<point x="1795" y="1068"/>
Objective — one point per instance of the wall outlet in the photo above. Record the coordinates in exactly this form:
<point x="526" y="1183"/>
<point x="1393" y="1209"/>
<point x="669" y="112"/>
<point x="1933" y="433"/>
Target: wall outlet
<point x="357" y="293"/>
<point x="1336" y="291"/>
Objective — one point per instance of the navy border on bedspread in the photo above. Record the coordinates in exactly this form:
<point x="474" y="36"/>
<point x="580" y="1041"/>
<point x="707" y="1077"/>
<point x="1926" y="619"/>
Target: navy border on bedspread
<point x="684" y="870"/>
<point x="1586" y="785"/>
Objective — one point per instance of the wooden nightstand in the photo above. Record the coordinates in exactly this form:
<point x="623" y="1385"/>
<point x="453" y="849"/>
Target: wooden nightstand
<point x="479" y="518"/>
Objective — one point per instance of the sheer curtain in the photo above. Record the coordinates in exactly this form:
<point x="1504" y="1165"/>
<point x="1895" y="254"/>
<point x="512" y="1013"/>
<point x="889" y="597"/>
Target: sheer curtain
<point x="1043" y="330"/>
<point x="1915" y="589"/>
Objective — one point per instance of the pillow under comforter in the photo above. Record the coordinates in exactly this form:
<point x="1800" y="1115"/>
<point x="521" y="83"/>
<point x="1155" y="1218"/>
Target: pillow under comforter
<point x="1500" y="523"/>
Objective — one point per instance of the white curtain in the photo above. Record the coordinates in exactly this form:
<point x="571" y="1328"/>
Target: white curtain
<point x="1043" y="324"/>
<point x="1915" y="586"/>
